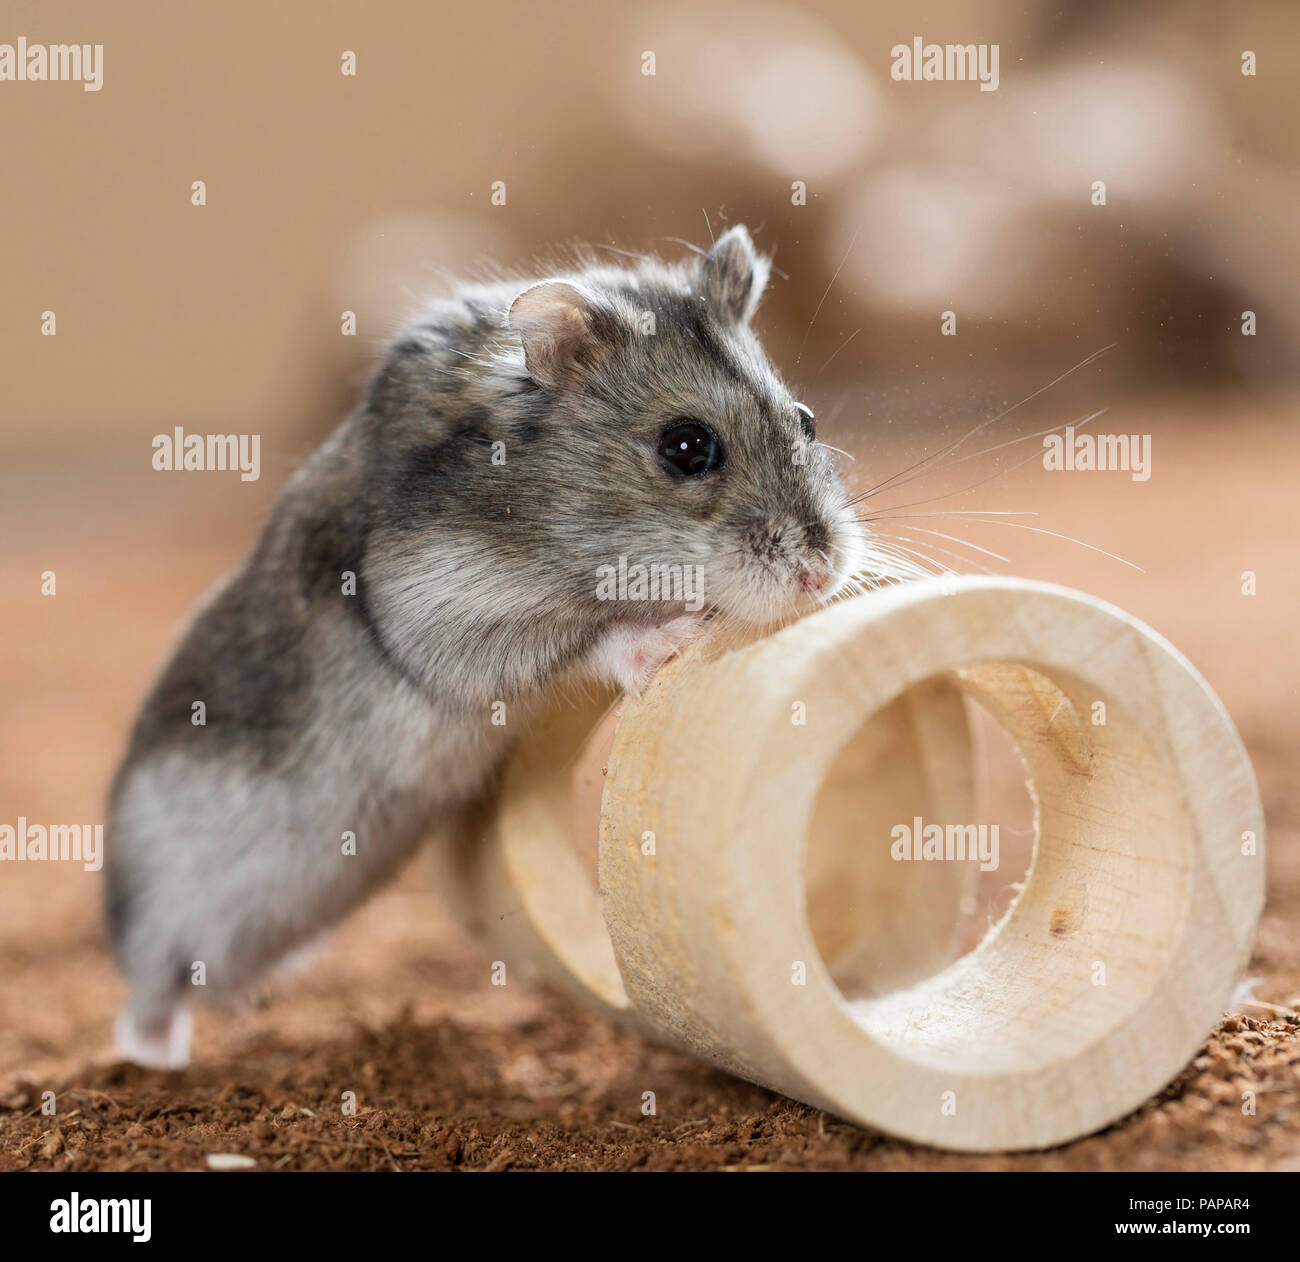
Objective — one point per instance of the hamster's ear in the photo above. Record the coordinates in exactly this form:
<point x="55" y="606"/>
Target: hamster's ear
<point x="554" y="321"/>
<point x="733" y="276"/>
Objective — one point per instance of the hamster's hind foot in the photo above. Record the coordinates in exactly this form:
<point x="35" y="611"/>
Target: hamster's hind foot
<point x="162" y="1046"/>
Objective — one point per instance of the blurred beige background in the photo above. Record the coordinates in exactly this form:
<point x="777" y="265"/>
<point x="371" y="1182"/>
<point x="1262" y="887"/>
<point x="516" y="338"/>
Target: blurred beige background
<point x="327" y="193"/>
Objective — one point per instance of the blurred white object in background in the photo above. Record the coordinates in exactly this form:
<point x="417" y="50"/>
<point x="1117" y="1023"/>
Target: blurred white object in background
<point x="1141" y="126"/>
<point x="764" y="82"/>
<point x="923" y="237"/>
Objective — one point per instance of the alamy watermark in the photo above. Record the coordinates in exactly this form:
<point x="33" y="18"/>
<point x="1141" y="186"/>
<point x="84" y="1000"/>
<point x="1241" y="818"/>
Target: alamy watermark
<point x="951" y="63"/>
<point x="1070" y="451"/>
<point x="179" y="451"/>
<point x="955" y="843"/>
<point x="67" y="843"/>
<point x="98" y="1214"/>
<point x="22" y="62"/>
<point x="656" y="581"/>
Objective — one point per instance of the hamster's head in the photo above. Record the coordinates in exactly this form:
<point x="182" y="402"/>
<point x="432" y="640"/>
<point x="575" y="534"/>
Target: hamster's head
<point x="671" y="441"/>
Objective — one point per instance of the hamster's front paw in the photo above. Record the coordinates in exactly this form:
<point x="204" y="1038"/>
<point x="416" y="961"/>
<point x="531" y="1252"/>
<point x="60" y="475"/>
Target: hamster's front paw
<point x="629" y="654"/>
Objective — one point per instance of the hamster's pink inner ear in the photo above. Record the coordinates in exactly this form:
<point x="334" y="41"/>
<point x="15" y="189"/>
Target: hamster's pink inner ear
<point x="553" y="323"/>
<point x="733" y="276"/>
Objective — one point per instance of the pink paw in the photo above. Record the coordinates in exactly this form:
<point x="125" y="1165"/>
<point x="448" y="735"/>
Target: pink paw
<point x="629" y="654"/>
<point x="167" y="1047"/>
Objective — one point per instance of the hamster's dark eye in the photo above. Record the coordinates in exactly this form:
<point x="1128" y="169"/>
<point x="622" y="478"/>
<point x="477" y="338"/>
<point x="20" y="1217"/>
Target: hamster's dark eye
<point x="807" y="420"/>
<point x="689" y="448"/>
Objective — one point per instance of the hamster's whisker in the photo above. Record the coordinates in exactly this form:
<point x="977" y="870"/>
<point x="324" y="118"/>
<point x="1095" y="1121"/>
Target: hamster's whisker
<point x="839" y="348"/>
<point x="948" y="552"/>
<point x="950" y="512"/>
<point x="799" y="357"/>
<point x="695" y="249"/>
<point x="997" y="556"/>
<point x="983" y="425"/>
<point x="886" y="561"/>
<point x="1040" y="530"/>
<point x="627" y="254"/>
<point x="895" y="550"/>
<point x="987" y="451"/>
<point x="947" y="495"/>
<point x="924" y="559"/>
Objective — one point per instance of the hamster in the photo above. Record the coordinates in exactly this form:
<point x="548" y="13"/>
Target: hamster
<point x="436" y="564"/>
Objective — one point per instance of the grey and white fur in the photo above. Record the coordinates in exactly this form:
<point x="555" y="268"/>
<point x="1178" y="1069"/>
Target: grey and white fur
<point x="364" y="706"/>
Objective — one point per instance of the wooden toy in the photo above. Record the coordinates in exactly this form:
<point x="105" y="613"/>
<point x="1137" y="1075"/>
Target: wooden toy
<point x="755" y="909"/>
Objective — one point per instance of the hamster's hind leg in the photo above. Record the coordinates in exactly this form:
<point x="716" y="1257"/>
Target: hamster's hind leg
<point x="219" y="874"/>
<point x="154" y="1043"/>
<point x="153" y="1026"/>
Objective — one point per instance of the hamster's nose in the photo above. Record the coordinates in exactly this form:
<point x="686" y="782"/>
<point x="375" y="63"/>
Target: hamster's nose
<point x="814" y="576"/>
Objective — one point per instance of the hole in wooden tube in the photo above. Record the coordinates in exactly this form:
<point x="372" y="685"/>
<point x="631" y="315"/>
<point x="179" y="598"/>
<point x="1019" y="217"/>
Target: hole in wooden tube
<point x="886" y="907"/>
<point x="1071" y="952"/>
<point x="879" y="925"/>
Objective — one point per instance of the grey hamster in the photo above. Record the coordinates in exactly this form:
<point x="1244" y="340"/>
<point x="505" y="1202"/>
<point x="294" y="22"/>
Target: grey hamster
<point x="439" y="557"/>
